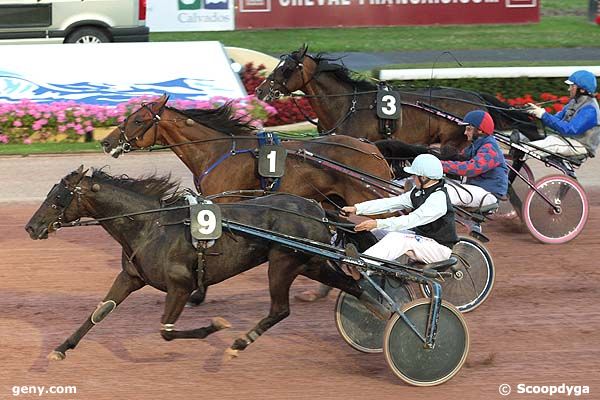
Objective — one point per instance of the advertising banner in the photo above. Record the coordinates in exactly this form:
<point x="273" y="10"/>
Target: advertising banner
<point x="189" y="15"/>
<point x="332" y="13"/>
<point x="112" y="73"/>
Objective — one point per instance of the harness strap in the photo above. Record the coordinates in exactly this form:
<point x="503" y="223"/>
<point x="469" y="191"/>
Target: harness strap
<point x="225" y="156"/>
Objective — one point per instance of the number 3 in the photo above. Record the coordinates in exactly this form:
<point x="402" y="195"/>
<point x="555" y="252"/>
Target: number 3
<point x="390" y="107"/>
<point x="207" y="221"/>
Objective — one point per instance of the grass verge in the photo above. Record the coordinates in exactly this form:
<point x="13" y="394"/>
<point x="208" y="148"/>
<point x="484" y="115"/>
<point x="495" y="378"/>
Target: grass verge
<point x="49" y="148"/>
<point x="556" y="31"/>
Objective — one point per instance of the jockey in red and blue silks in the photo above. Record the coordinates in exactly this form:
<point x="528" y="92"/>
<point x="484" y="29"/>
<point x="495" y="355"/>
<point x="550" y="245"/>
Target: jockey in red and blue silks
<point x="484" y="166"/>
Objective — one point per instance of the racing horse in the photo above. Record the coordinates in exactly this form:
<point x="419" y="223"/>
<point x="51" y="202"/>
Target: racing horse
<point x="219" y="150"/>
<point x="147" y="218"/>
<point x="345" y="105"/>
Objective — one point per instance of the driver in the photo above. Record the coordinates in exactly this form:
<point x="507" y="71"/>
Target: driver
<point x="577" y="126"/>
<point x="426" y="234"/>
<point x="484" y="165"/>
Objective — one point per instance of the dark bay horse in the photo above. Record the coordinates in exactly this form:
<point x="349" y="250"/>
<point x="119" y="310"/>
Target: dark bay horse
<point x="332" y="91"/>
<point x="219" y="151"/>
<point x="159" y="251"/>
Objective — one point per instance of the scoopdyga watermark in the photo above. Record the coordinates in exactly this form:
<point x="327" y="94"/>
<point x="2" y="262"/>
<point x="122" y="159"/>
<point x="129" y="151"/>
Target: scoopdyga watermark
<point x="550" y="390"/>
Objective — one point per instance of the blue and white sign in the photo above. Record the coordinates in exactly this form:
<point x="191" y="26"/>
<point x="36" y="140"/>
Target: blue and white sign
<point x="190" y="15"/>
<point x="112" y="73"/>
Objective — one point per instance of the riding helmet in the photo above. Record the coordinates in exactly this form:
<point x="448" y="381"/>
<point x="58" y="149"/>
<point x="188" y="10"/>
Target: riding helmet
<point x="480" y="120"/>
<point x="426" y="165"/>
<point x="583" y="79"/>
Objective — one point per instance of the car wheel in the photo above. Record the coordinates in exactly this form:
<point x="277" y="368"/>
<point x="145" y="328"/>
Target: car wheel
<point x="87" y="35"/>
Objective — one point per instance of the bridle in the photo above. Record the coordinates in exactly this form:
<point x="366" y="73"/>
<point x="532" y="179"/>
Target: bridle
<point x="63" y="199"/>
<point x="287" y="74"/>
<point x="126" y="143"/>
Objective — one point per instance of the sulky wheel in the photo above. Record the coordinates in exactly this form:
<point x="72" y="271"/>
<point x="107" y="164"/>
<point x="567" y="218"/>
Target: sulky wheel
<point x="406" y="354"/>
<point x="472" y="278"/>
<point x="361" y="329"/>
<point x="550" y="225"/>
<point x="520" y="188"/>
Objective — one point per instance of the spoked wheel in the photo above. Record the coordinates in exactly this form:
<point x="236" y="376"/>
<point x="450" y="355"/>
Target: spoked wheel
<point x="505" y="208"/>
<point x="550" y="225"/>
<point x="406" y="354"/>
<point x="361" y="329"/>
<point x="473" y="276"/>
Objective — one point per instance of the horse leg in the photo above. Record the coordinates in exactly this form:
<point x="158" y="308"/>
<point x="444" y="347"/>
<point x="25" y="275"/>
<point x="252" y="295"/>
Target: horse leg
<point x="122" y="287"/>
<point x="283" y="269"/>
<point x="197" y="298"/>
<point x="177" y="296"/>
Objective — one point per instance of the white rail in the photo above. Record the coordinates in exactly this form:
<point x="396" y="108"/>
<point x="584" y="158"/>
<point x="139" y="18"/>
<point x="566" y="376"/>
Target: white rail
<point x="489" y="72"/>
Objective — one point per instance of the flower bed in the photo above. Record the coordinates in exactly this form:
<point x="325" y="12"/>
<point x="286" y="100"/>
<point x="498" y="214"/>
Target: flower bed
<point x="28" y="122"/>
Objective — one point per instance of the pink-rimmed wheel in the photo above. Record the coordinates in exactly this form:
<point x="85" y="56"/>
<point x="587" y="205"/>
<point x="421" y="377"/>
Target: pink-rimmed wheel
<point x="561" y="220"/>
<point x="505" y="208"/>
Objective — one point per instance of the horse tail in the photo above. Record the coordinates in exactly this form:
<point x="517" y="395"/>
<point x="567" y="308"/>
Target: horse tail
<point x="506" y="117"/>
<point x="396" y="149"/>
<point x="398" y="154"/>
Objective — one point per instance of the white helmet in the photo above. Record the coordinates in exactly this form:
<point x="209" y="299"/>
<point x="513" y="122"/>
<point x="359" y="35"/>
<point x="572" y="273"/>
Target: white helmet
<point x="426" y="165"/>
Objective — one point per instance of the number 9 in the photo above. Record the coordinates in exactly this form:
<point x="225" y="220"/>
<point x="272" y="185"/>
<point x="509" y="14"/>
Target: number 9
<point x="207" y="221"/>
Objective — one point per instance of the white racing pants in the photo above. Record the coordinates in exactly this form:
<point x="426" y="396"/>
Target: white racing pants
<point x="564" y="146"/>
<point x="469" y="195"/>
<point x="394" y="244"/>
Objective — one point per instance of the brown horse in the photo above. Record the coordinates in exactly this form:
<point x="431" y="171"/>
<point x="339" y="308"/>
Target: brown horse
<point x="219" y="151"/>
<point x="347" y="106"/>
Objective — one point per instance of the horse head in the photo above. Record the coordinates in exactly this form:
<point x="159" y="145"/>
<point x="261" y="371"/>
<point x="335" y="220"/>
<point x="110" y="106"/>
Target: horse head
<point x="63" y="204"/>
<point x="291" y="74"/>
<point x="138" y="131"/>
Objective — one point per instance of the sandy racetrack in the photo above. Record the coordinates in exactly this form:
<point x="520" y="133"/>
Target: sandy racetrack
<point x="539" y="327"/>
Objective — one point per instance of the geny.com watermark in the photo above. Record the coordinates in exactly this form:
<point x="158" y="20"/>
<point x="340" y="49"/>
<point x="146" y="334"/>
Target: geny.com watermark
<point x="43" y="390"/>
<point x="550" y="390"/>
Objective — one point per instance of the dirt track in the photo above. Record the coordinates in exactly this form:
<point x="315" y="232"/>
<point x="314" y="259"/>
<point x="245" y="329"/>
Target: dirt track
<point x="539" y="326"/>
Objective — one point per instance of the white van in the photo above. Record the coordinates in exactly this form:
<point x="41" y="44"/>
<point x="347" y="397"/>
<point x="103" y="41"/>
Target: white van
<point x="72" y="21"/>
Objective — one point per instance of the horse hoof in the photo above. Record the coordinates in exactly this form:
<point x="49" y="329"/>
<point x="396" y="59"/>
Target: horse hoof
<point x="230" y="354"/>
<point x="220" y="323"/>
<point x="56" y="356"/>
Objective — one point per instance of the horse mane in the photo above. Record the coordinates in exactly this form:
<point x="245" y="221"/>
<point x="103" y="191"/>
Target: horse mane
<point x="340" y="71"/>
<point x="157" y="187"/>
<point x="220" y="119"/>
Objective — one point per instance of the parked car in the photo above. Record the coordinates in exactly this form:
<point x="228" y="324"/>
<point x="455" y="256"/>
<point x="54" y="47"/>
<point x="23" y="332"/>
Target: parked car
<point x="72" y="21"/>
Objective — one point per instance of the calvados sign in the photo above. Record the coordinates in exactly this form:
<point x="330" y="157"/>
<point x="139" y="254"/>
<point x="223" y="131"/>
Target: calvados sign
<point x="190" y="15"/>
<point x="328" y="13"/>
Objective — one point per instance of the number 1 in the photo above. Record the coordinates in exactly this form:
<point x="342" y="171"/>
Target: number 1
<point x="272" y="158"/>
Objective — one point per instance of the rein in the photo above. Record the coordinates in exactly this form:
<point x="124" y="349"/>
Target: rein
<point x="98" y="221"/>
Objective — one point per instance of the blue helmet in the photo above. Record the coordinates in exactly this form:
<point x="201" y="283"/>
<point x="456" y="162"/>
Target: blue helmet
<point x="583" y="79"/>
